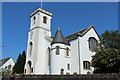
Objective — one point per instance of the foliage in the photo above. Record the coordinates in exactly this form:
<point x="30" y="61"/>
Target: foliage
<point x="19" y="65"/>
<point x="107" y="58"/>
<point x="7" y="72"/>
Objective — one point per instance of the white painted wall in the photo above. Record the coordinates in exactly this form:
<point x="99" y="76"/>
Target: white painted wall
<point x="79" y="52"/>
<point x="60" y="61"/>
<point x="40" y="44"/>
<point x="85" y="53"/>
<point x="9" y="62"/>
<point x="74" y="56"/>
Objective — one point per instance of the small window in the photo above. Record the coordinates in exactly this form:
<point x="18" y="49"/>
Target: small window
<point x="31" y="70"/>
<point x="34" y="20"/>
<point x="57" y="50"/>
<point x="25" y="70"/>
<point x="5" y="67"/>
<point x="67" y="52"/>
<point x="45" y="19"/>
<point x="68" y="66"/>
<point x="61" y="71"/>
<point x="9" y="67"/>
<point x="86" y="64"/>
<point x="92" y="43"/>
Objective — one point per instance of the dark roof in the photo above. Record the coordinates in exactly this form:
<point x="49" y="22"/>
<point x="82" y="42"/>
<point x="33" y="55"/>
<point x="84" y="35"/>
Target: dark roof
<point x="58" y="38"/>
<point x="80" y="33"/>
<point x="2" y="61"/>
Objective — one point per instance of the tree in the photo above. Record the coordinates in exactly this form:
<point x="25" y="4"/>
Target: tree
<point x="19" y="65"/>
<point x="107" y="57"/>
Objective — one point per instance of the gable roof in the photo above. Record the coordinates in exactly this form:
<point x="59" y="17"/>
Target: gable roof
<point x="3" y="61"/>
<point x="75" y="35"/>
<point x="80" y="33"/>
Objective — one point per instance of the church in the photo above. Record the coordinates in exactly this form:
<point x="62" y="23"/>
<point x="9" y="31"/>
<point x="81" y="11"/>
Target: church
<point x="47" y="55"/>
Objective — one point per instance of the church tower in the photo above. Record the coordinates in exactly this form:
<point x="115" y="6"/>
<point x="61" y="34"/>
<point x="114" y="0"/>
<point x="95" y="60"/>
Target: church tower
<point x="37" y="44"/>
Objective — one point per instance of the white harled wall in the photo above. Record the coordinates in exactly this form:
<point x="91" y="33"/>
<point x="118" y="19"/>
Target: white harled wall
<point x="60" y="61"/>
<point x="9" y="62"/>
<point x="85" y="53"/>
<point x="40" y="44"/>
<point x="74" y="56"/>
<point x="79" y="50"/>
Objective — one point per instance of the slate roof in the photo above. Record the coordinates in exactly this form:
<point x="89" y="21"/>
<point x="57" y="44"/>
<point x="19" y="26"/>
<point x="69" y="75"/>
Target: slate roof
<point x="80" y="33"/>
<point x="75" y="35"/>
<point x="58" y="38"/>
<point x="2" y="61"/>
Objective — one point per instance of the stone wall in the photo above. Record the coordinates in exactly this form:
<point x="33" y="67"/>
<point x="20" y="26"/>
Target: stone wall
<point x="65" y="77"/>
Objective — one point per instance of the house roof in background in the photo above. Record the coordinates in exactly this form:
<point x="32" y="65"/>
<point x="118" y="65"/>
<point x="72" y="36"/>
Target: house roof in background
<point x="3" y="61"/>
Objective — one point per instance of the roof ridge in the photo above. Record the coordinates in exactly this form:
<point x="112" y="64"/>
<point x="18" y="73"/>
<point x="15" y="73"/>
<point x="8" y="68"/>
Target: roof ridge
<point x="5" y="58"/>
<point x="79" y="33"/>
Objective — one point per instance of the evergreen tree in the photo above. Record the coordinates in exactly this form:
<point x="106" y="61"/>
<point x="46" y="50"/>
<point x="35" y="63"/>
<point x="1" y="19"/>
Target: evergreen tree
<point x="107" y="58"/>
<point x="19" y="65"/>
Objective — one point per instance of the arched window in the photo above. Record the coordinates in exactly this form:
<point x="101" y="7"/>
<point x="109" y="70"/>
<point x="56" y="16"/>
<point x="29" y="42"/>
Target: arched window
<point x="30" y="48"/>
<point x="45" y="19"/>
<point x="9" y="67"/>
<point x="5" y="67"/>
<point x="86" y="64"/>
<point x="67" y="52"/>
<point x="92" y="43"/>
<point x="31" y="70"/>
<point x="25" y="71"/>
<point x="61" y="71"/>
<point x="57" y="50"/>
<point x="48" y="56"/>
<point x="68" y="66"/>
<point x="34" y="20"/>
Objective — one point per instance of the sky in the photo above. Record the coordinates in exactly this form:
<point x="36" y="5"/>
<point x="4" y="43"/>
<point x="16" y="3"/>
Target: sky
<point x="70" y="17"/>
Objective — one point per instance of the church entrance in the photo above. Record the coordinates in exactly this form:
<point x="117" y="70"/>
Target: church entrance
<point x="29" y="67"/>
<point x="61" y="71"/>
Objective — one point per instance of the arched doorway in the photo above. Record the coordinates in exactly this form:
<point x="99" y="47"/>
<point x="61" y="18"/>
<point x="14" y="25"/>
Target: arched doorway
<point x="61" y="71"/>
<point x="29" y="67"/>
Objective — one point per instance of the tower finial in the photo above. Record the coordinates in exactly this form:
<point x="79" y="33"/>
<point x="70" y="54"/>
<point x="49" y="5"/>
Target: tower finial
<point x="41" y="3"/>
<point x="58" y="28"/>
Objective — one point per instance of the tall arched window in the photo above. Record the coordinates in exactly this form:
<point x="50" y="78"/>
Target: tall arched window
<point x="68" y="66"/>
<point x="30" y="48"/>
<point x="92" y="43"/>
<point x="34" y="20"/>
<point x="86" y="64"/>
<point x="67" y="52"/>
<point x="45" y="19"/>
<point x="48" y="56"/>
<point x="57" y="50"/>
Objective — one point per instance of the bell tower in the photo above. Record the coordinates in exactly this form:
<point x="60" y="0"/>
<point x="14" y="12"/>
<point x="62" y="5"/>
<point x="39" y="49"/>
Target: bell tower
<point x="41" y="19"/>
<point x="37" y="44"/>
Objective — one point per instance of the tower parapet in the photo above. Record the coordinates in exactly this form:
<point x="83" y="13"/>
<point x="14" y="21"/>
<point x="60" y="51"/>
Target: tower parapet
<point x="41" y="10"/>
